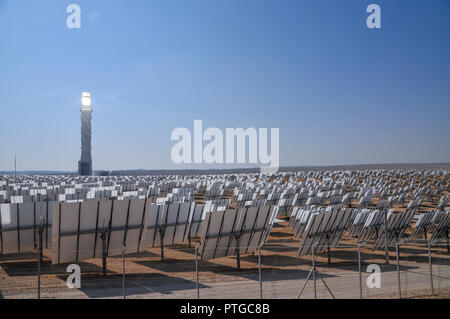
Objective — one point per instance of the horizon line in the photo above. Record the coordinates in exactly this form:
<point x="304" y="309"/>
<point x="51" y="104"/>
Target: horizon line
<point x="27" y="172"/>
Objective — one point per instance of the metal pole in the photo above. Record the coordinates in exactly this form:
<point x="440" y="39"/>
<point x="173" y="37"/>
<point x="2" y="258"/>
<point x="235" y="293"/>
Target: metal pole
<point x="398" y="270"/>
<point x="238" y="253"/>
<point x="386" y="249"/>
<point x="260" y="273"/>
<point x="328" y="249"/>
<point x="313" y="270"/>
<point x="40" y="260"/>
<point x="328" y="288"/>
<point x="238" y="260"/>
<point x="314" y="273"/>
<point x="161" y="237"/>
<point x="103" y="237"/>
<point x="431" y="268"/>
<point x="304" y="284"/>
<point x="196" y="270"/>
<point x="123" y="272"/>
<point x="359" y="269"/>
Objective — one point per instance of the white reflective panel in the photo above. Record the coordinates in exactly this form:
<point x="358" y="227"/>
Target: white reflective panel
<point x="172" y="216"/>
<point x="235" y="231"/>
<point x="311" y="228"/>
<point x="5" y="215"/>
<point x="226" y="244"/>
<point x="150" y="237"/>
<point x="171" y="222"/>
<point x="248" y="223"/>
<point x="212" y="226"/>
<point x="10" y="239"/>
<point x="19" y="227"/>
<point x="68" y="223"/>
<point x="81" y="226"/>
<point x="138" y="213"/>
<point x="88" y="219"/>
<point x="119" y="219"/>
<point x="198" y="216"/>
<point x="104" y="217"/>
<point x="183" y="222"/>
<point x="261" y="221"/>
<point x="44" y="214"/>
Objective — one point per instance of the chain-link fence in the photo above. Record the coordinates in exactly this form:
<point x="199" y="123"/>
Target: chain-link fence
<point x="351" y="270"/>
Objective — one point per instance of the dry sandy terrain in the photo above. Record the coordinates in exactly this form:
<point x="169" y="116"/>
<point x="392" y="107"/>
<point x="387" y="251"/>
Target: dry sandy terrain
<point x="282" y="271"/>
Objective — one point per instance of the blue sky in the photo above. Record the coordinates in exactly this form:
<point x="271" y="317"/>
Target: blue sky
<point x="339" y="92"/>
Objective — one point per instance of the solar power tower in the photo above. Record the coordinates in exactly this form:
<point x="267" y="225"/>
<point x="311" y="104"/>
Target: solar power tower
<point x="85" y="162"/>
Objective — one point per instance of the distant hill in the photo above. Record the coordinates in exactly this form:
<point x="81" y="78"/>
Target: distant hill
<point x="38" y="173"/>
<point x="405" y="166"/>
<point x="135" y="172"/>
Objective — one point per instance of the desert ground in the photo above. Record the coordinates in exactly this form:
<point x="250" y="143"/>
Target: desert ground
<point x="283" y="273"/>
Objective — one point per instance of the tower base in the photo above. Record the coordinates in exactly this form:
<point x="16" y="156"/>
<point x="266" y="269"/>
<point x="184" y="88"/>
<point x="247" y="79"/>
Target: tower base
<point x="84" y="168"/>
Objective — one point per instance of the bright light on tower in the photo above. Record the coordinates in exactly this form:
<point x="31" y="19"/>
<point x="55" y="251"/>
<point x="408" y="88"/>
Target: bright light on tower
<point x="86" y="100"/>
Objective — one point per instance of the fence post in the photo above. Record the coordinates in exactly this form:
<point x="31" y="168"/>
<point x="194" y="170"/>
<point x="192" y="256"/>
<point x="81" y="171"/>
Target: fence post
<point x="314" y="270"/>
<point x="431" y="268"/>
<point x="162" y="230"/>
<point x="260" y="273"/>
<point x="104" y="252"/>
<point x="39" y="258"/>
<point x="123" y="272"/>
<point x="397" y="251"/>
<point x="196" y="270"/>
<point x="238" y="252"/>
<point x="359" y="269"/>
<point x="386" y="248"/>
